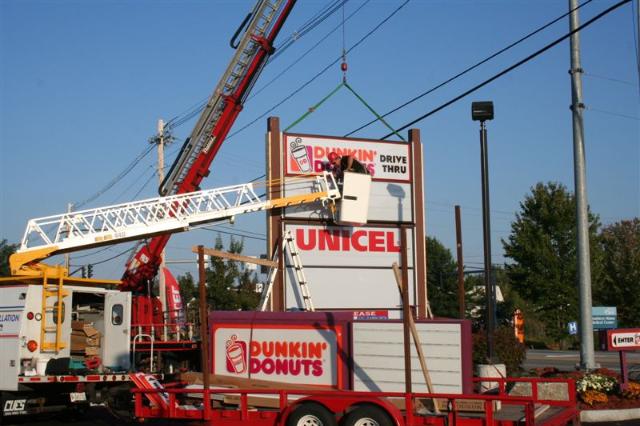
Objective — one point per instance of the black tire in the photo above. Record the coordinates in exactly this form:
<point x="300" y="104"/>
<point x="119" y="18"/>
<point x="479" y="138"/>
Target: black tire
<point x="311" y="414"/>
<point x="367" y="415"/>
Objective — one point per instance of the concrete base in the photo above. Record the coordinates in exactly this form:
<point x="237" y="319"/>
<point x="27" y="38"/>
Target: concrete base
<point x="592" y="416"/>
<point x="490" y="371"/>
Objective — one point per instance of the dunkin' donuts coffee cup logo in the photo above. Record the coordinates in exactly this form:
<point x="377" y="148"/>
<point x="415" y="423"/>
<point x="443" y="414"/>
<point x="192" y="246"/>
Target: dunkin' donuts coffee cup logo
<point x="300" y="155"/>
<point x="276" y="357"/>
<point x="236" y="355"/>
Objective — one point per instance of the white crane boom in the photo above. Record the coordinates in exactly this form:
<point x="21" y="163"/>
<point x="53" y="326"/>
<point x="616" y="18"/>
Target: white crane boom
<point x="79" y="230"/>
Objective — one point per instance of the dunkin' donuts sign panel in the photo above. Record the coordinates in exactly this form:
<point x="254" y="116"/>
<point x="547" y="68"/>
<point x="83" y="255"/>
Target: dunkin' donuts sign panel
<point x="384" y="160"/>
<point x="297" y="354"/>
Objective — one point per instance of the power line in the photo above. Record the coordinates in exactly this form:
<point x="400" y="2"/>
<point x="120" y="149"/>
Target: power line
<point x="311" y="24"/>
<point x="111" y="258"/>
<point x="135" y="181"/>
<point x="615" y="80"/>
<point x="231" y="233"/>
<point x="511" y="68"/>
<point x="470" y="68"/>
<point x="118" y="178"/>
<point x="312" y="48"/>
<point x="325" y="69"/>
<point x="616" y="114"/>
<point x="308" y="26"/>
<point x="92" y="254"/>
<point x="144" y="186"/>
<point x="635" y="30"/>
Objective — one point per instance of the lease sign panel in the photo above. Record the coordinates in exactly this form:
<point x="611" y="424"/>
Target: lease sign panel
<point x="385" y="160"/>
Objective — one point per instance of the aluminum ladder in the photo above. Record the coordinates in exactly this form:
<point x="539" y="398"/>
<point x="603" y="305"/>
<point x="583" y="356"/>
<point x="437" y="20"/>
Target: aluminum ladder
<point x="288" y="242"/>
<point x="52" y="293"/>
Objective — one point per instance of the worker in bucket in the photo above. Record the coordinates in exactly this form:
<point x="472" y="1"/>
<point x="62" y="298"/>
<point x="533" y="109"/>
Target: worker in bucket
<point x="345" y="163"/>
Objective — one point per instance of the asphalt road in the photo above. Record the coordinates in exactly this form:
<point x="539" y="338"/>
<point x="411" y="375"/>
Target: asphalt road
<point x="568" y="360"/>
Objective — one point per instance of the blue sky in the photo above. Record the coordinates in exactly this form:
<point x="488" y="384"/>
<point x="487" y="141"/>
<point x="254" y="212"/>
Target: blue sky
<point x="82" y="85"/>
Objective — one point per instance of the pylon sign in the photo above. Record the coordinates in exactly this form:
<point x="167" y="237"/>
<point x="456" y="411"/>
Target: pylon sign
<point x="347" y="267"/>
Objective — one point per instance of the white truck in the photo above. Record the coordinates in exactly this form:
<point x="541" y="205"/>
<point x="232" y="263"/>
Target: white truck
<point x="35" y="379"/>
<point x="69" y="340"/>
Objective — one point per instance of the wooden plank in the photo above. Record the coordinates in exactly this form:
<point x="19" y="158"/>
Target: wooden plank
<point x="416" y="336"/>
<point x="234" y="256"/>
<point x="242" y="383"/>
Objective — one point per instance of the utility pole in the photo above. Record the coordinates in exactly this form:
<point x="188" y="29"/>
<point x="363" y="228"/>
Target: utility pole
<point x="67" y="256"/>
<point x="461" y="292"/>
<point x="160" y="140"/>
<point x="587" y="358"/>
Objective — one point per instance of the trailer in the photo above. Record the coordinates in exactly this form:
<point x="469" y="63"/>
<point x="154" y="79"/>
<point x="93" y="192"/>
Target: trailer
<point x="325" y="368"/>
<point x="304" y="407"/>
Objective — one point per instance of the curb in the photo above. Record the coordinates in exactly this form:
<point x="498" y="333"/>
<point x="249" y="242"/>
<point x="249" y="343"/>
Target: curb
<point x="589" y="416"/>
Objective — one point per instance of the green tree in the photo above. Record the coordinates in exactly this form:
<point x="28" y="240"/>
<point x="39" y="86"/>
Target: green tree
<point x="228" y="283"/>
<point x="620" y="287"/>
<point x="542" y="246"/>
<point x="6" y="250"/>
<point x="442" y="282"/>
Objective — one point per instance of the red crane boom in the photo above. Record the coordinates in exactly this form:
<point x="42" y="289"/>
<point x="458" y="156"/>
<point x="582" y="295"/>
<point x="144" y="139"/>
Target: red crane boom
<point x="192" y="165"/>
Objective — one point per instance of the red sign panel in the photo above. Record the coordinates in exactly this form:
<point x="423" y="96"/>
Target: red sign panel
<point x="623" y="339"/>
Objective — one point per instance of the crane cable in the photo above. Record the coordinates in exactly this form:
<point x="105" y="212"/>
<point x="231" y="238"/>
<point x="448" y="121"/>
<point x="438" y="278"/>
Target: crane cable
<point x="344" y="68"/>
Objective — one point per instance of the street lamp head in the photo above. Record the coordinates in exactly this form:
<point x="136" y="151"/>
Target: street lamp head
<point x="482" y="111"/>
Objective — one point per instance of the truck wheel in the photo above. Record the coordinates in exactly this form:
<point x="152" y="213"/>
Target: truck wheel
<point x="368" y="415"/>
<point x="311" y="414"/>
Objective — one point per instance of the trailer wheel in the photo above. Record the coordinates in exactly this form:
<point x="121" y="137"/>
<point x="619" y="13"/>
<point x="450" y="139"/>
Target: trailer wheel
<point x="311" y="414"/>
<point x="367" y="415"/>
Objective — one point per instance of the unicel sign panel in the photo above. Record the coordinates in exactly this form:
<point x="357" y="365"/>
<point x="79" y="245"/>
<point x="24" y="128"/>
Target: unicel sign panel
<point x="388" y="163"/>
<point x="297" y="352"/>
<point x="348" y="267"/>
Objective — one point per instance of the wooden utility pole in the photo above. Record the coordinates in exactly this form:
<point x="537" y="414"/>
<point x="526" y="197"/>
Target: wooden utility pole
<point x="204" y="336"/>
<point x="160" y="140"/>
<point x="461" y="292"/>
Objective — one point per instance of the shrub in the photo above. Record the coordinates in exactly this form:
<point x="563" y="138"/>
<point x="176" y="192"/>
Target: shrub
<point x="592" y="397"/>
<point x="632" y="391"/>
<point x="596" y="382"/>
<point x="507" y="348"/>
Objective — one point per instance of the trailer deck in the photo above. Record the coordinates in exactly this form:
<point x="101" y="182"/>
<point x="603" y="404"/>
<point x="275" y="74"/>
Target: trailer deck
<point x="215" y="406"/>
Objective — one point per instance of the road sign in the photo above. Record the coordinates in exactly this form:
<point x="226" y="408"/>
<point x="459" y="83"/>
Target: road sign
<point x="623" y="339"/>
<point x="604" y="317"/>
<point x="573" y="328"/>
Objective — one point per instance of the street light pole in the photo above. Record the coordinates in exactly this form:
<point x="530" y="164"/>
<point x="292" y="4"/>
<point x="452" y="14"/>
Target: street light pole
<point x="587" y="357"/>
<point x="483" y="111"/>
